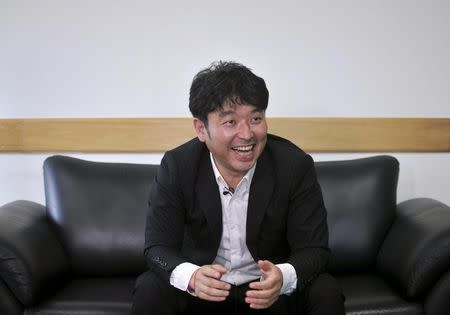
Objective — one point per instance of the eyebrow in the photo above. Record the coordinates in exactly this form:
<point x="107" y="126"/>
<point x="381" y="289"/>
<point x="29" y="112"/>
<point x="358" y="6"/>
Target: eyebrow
<point x="223" y="113"/>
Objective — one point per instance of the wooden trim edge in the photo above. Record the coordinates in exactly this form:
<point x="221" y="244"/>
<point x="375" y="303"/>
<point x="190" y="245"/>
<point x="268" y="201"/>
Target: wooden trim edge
<point x="161" y="134"/>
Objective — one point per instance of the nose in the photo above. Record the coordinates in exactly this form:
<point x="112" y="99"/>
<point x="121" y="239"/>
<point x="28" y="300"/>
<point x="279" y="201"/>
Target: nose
<point x="245" y="131"/>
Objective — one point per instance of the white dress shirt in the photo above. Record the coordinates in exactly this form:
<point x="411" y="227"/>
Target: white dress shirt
<point x="233" y="252"/>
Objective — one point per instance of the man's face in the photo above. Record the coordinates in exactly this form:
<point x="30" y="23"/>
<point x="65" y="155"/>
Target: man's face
<point x="235" y="135"/>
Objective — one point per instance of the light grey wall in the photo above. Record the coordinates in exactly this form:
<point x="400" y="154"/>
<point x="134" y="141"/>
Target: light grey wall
<point x="103" y="58"/>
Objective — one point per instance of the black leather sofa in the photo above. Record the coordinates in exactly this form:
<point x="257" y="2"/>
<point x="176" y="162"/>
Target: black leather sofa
<point x="81" y="253"/>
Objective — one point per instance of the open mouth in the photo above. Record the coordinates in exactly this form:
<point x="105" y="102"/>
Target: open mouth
<point x="243" y="149"/>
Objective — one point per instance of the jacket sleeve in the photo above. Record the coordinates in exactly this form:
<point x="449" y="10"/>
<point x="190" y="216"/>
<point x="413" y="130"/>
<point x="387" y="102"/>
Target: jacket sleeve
<point x="165" y="221"/>
<point x="307" y="231"/>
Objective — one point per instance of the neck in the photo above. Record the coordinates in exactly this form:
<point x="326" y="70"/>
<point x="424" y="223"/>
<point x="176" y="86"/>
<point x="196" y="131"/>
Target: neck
<point x="233" y="182"/>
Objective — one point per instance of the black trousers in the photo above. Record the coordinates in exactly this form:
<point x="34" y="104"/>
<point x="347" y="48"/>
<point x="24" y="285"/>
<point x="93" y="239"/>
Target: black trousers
<point x="153" y="296"/>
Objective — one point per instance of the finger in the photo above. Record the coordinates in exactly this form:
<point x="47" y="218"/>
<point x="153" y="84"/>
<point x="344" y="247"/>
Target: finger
<point x="261" y="297"/>
<point x="260" y="303"/>
<point x="260" y="285"/>
<point x="265" y="265"/>
<point x="260" y="294"/>
<point x="210" y="272"/>
<point x="208" y="275"/>
<point x="266" y="283"/>
<point x="219" y="268"/>
<point x="266" y="268"/>
<point x="211" y="294"/>
<point x="209" y="287"/>
<point x="212" y="289"/>
<point x="271" y="277"/>
<point x="213" y="283"/>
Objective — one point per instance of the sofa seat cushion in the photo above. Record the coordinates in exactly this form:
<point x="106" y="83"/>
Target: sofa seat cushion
<point x="370" y="295"/>
<point x="92" y="296"/>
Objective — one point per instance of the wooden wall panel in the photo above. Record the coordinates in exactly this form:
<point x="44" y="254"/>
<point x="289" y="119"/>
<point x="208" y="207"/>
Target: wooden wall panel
<point x="161" y="134"/>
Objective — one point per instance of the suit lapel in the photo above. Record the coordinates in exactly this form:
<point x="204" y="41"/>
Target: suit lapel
<point x="208" y="195"/>
<point x="261" y="191"/>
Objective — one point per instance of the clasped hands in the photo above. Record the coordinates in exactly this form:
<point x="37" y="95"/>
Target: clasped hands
<point x="206" y="284"/>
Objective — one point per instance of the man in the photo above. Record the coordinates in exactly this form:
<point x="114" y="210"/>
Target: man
<point x="236" y="221"/>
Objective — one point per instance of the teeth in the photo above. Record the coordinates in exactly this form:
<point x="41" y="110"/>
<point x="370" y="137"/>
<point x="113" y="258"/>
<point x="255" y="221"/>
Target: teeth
<point x="243" y="149"/>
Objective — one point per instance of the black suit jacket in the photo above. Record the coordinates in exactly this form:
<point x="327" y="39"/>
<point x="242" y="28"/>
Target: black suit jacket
<point x="286" y="218"/>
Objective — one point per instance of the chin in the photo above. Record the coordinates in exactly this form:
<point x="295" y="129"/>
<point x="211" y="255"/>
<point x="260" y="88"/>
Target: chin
<point x="244" y="167"/>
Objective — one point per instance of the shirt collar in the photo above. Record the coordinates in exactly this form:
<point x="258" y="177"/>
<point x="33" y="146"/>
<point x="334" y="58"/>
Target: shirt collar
<point x="219" y="178"/>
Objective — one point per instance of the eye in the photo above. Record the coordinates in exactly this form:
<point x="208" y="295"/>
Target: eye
<point x="256" y="119"/>
<point x="229" y="123"/>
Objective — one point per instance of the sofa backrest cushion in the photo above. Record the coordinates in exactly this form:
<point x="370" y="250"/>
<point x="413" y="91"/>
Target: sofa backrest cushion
<point x="98" y="210"/>
<point x="360" y="197"/>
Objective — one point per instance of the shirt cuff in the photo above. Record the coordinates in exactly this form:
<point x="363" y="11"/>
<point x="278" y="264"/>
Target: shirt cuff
<point x="181" y="275"/>
<point x="289" y="278"/>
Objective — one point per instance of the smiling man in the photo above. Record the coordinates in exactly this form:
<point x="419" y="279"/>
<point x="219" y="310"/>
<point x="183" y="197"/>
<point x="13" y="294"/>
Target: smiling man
<point x="236" y="221"/>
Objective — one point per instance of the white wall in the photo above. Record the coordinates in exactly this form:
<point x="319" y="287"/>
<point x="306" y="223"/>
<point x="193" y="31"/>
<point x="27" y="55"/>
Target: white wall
<point x="104" y="58"/>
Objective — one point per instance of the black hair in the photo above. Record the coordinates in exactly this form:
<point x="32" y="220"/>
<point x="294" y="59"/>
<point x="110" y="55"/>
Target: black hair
<point x="222" y="82"/>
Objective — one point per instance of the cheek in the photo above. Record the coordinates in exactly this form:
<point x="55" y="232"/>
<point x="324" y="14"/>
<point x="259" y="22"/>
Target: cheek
<point x="261" y="133"/>
<point x="264" y="127"/>
<point x="224" y="137"/>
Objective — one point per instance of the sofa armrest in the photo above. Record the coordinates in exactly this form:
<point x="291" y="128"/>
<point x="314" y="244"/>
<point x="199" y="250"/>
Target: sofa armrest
<point x="8" y="302"/>
<point x="437" y="301"/>
<point x="32" y="261"/>
<point x="416" y="251"/>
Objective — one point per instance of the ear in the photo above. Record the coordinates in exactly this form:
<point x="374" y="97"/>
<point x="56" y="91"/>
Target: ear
<point x="200" y="129"/>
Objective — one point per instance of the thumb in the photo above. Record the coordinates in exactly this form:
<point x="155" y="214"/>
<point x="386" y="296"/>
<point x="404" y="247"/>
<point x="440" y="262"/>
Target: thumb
<point x="219" y="268"/>
<point x="265" y="265"/>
